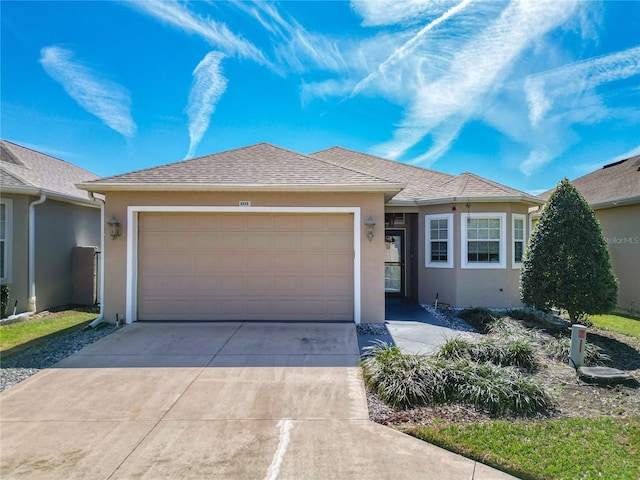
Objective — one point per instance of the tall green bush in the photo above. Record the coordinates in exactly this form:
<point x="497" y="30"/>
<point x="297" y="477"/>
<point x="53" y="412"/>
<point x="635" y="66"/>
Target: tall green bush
<point x="567" y="264"/>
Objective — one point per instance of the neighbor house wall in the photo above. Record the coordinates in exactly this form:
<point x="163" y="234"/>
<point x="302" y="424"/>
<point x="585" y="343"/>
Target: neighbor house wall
<point x="60" y="226"/>
<point x="372" y="252"/>
<point x="621" y="229"/>
<point x="19" y="277"/>
<point x="466" y="287"/>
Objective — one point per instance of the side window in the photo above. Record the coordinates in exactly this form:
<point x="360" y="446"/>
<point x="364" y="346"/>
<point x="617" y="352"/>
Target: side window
<point x="518" y="235"/>
<point x="439" y="241"/>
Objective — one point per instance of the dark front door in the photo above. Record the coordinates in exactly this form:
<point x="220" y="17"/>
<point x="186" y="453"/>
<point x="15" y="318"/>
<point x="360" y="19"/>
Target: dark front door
<point x="394" y="262"/>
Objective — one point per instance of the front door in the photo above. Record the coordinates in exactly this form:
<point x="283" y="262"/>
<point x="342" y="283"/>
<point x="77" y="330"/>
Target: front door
<point x="394" y="262"/>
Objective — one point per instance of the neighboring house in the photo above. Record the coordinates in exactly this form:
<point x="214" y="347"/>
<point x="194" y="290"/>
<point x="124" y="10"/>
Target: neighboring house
<point x="614" y="194"/>
<point x="265" y="233"/>
<point x="42" y="217"/>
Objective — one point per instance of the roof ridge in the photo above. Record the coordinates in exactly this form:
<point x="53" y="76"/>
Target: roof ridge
<point x="349" y="168"/>
<point x="503" y="187"/>
<point x="395" y="162"/>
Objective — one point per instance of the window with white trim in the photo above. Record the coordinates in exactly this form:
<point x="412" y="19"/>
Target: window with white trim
<point x="518" y="236"/>
<point x="484" y="242"/>
<point x="6" y="227"/>
<point x="439" y="240"/>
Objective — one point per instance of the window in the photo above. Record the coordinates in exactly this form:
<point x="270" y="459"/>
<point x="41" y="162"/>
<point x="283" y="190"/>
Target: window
<point x="6" y="208"/>
<point x="484" y="245"/>
<point x="439" y="240"/>
<point x="518" y="238"/>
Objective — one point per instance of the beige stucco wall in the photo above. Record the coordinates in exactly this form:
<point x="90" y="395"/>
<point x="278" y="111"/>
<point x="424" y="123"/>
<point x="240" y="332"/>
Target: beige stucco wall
<point x="18" y="283"/>
<point x="459" y="287"/>
<point x="621" y="228"/>
<point x="372" y="253"/>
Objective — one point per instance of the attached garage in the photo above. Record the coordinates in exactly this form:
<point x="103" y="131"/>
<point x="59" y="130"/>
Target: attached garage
<point x="238" y="265"/>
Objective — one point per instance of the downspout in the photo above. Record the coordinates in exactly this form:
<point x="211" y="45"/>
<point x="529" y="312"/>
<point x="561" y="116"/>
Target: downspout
<point x="100" y="318"/>
<point x="31" y="302"/>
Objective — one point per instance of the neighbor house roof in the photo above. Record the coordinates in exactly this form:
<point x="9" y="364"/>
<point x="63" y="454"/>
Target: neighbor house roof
<point x="614" y="184"/>
<point x="23" y="170"/>
<point x="262" y="167"/>
<point x="424" y="186"/>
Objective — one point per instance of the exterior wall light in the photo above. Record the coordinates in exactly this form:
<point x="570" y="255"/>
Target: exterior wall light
<point x="114" y="227"/>
<point x="371" y="225"/>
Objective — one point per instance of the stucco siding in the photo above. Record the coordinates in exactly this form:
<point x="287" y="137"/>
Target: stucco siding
<point x="467" y="287"/>
<point x="372" y="253"/>
<point x="621" y="229"/>
<point x="60" y="227"/>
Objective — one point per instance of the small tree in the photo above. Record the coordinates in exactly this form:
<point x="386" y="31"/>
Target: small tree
<point x="567" y="264"/>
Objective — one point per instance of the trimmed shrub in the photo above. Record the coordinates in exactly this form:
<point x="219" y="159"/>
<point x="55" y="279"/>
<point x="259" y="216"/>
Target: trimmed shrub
<point x="4" y="300"/>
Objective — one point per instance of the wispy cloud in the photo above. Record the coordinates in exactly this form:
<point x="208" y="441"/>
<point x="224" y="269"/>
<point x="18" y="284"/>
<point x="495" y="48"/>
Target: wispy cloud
<point x="410" y="46"/>
<point x="477" y="69"/>
<point x="392" y="12"/>
<point x="101" y="97"/>
<point x="294" y="47"/>
<point x="208" y="86"/>
<point x="216" y="33"/>
<point x="577" y="79"/>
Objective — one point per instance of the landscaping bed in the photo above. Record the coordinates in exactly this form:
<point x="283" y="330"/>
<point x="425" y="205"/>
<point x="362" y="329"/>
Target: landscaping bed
<point x="45" y="339"/>
<point x="604" y="419"/>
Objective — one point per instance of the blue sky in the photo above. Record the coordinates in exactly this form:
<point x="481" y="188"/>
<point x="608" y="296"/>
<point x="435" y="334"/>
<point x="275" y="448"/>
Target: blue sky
<point x="521" y="92"/>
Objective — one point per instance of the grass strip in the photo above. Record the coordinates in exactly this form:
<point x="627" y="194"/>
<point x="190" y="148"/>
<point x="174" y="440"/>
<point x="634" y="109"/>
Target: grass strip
<point x="14" y="335"/>
<point x="618" y="322"/>
<point x="559" y="449"/>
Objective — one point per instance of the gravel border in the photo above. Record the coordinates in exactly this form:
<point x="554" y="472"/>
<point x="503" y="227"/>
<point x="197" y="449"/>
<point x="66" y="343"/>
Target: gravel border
<point x="22" y="365"/>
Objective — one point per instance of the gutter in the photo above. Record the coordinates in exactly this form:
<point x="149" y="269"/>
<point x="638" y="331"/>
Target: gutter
<point x="31" y="302"/>
<point x="50" y="195"/>
<point x="100" y="318"/>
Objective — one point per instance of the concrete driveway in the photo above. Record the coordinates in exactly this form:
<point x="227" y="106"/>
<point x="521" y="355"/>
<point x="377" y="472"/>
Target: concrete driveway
<point x="228" y="401"/>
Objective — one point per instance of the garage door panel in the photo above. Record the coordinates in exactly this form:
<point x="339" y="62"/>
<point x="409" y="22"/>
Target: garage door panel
<point x="245" y="267"/>
<point x="205" y="264"/>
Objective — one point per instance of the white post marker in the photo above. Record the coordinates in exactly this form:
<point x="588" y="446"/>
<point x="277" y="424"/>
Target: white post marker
<point x="578" y="344"/>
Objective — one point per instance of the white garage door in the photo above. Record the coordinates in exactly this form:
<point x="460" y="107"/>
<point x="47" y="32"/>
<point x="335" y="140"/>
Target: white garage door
<point x="223" y="266"/>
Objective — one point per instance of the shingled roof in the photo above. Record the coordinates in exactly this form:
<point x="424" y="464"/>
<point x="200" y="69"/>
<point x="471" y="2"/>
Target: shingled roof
<point x="424" y="186"/>
<point x="614" y="184"/>
<point x="256" y="167"/>
<point x="23" y="170"/>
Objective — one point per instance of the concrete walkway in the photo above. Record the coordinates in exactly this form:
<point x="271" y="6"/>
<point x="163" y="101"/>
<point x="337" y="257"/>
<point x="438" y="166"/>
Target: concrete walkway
<point x="410" y="327"/>
<point x="160" y="401"/>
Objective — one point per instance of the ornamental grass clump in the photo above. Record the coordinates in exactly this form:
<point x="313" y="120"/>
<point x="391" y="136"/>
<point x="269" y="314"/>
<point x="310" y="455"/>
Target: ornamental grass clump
<point x="504" y="390"/>
<point x="479" y="318"/>
<point x="508" y="351"/>
<point x="399" y="379"/>
<point x="559" y="349"/>
<point x="403" y="380"/>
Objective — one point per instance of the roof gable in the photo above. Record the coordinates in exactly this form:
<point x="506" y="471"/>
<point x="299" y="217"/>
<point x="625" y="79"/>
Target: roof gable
<point x="260" y="166"/>
<point x="27" y="171"/>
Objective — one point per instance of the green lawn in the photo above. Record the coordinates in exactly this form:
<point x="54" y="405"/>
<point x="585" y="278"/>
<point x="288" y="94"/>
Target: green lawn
<point x="618" y="322"/>
<point x="547" y="449"/>
<point x="15" y="335"/>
